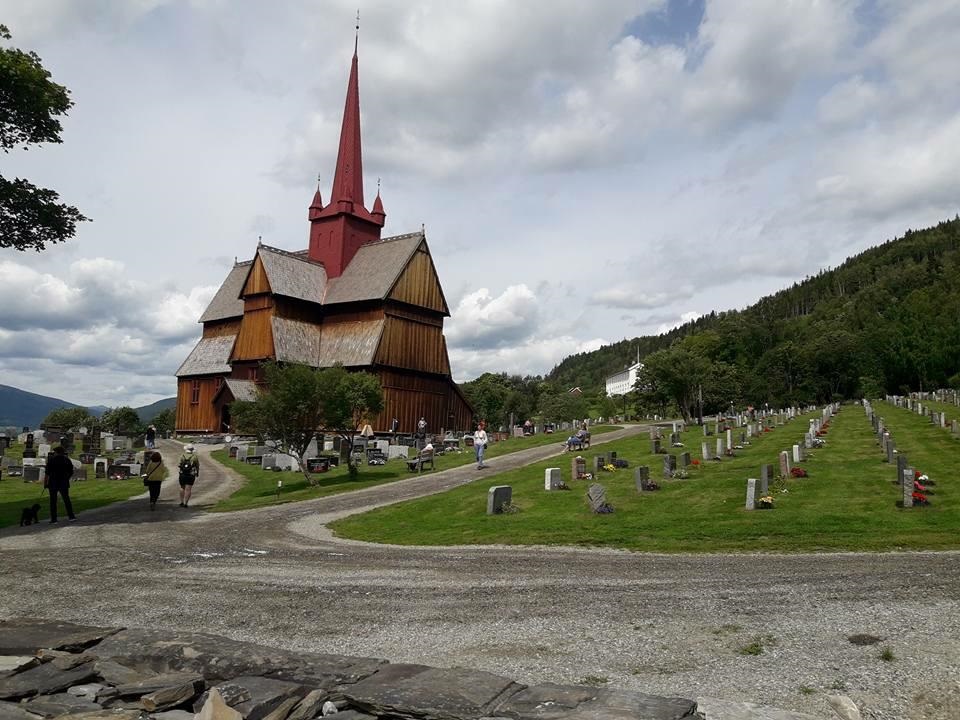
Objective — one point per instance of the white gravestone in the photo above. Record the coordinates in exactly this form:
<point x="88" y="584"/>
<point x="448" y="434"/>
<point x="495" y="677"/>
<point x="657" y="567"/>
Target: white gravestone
<point x="751" y="493"/>
<point x="551" y="479"/>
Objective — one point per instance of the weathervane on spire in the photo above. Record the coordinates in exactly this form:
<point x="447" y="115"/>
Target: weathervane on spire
<point x="356" y="38"/>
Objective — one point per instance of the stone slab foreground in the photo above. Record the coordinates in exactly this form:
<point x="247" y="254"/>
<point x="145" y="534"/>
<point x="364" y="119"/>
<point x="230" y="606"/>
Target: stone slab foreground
<point x="124" y="674"/>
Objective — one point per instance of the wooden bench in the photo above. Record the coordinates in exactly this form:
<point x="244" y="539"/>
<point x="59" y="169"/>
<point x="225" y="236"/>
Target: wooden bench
<point x="420" y="460"/>
<point x="575" y="443"/>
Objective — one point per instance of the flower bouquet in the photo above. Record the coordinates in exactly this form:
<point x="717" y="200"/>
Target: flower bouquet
<point x="765" y="502"/>
<point x="798" y="472"/>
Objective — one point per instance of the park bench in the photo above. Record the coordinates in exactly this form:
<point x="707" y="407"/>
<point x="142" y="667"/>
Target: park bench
<point x="575" y="443"/>
<point x="420" y="460"/>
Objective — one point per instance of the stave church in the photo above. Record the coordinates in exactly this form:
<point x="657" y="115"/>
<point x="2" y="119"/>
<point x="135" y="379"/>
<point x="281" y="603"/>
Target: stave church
<point x="353" y="297"/>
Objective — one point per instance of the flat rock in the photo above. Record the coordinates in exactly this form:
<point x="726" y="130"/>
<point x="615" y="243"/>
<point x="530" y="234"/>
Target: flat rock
<point x="418" y="691"/>
<point x="216" y="709"/>
<point x="88" y="690"/>
<point x="15" y="711"/>
<point x="176" y="694"/>
<point x="546" y="701"/>
<point x="611" y="704"/>
<point x="158" y="683"/>
<point x="114" y="673"/>
<point x="309" y="707"/>
<point x="220" y="659"/>
<point x="25" y="636"/>
<point x="16" y="663"/>
<point x="60" y="704"/>
<point x="710" y="708"/>
<point x="172" y="715"/>
<point x="44" y="680"/>
<point x="105" y="714"/>
<point x="267" y="695"/>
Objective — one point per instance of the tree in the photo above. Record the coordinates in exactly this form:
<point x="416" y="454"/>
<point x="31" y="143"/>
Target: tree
<point x="30" y="105"/>
<point x="69" y="418"/>
<point x="298" y="401"/>
<point x="164" y="421"/>
<point x="123" y="419"/>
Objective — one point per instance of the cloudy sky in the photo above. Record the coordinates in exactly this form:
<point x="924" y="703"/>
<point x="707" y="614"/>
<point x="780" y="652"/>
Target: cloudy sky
<point x="586" y="171"/>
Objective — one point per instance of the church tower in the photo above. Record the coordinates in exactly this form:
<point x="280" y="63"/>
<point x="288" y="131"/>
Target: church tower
<point x="338" y="230"/>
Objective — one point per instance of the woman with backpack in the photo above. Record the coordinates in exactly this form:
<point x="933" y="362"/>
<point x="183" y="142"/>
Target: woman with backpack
<point x="189" y="467"/>
<point x="152" y="477"/>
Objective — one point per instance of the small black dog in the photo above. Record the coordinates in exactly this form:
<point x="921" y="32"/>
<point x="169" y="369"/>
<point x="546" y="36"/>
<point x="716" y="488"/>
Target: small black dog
<point x="30" y="515"/>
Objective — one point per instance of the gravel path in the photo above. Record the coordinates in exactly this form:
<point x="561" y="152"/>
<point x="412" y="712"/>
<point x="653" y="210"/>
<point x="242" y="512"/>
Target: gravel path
<point x="668" y="625"/>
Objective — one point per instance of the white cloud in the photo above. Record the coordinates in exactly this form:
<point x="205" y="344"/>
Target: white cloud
<point x="483" y="321"/>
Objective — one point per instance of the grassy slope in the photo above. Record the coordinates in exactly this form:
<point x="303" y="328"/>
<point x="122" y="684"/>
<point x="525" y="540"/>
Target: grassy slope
<point x="260" y="487"/>
<point x="86" y="494"/>
<point x="847" y="503"/>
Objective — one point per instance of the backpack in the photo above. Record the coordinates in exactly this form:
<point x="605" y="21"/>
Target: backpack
<point x="186" y="468"/>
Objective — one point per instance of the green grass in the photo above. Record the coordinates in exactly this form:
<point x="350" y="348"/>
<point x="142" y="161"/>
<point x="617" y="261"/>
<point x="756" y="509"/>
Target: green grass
<point x="84" y="494"/>
<point x="847" y="503"/>
<point x="260" y="486"/>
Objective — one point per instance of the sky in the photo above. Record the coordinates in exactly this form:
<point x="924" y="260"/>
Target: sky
<point x="585" y="171"/>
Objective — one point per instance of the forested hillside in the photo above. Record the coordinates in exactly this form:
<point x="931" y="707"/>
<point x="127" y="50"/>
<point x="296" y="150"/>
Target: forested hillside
<point x="887" y="319"/>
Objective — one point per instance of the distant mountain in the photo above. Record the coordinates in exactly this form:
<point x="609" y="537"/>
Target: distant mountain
<point x="148" y="412"/>
<point x="19" y="408"/>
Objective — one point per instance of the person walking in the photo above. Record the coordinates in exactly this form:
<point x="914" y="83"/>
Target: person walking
<point x="151" y="438"/>
<point x="58" y="472"/>
<point x="480" y="443"/>
<point x="151" y="477"/>
<point x="189" y="467"/>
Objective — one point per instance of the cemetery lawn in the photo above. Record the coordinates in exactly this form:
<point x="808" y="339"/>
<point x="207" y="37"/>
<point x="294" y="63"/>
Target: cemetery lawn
<point x="85" y="495"/>
<point x="848" y="502"/>
<point x="260" y="488"/>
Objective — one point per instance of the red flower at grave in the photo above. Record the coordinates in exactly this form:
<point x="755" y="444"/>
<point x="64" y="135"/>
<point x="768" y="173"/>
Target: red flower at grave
<point x="920" y="498"/>
<point x="768" y="429"/>
<point x="798" y="472"/>
<point x="694" y="462"/>
<point x="917" y="474"/>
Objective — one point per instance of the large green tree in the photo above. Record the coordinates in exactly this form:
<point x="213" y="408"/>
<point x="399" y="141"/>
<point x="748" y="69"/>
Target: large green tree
<point x="69" y="418"/>
<point x="298" y="401"/>
<point x="123" y="419"/>
<point x="30" y="107"/>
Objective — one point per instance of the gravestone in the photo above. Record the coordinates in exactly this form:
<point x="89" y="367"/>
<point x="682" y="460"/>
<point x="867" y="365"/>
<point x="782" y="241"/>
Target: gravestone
<point x="705" y="451"/>
<point x="684" y="459"/>
<point x="743" y="438"/>
<point x="87" y="458"/>
<point x="32" y="454"/>
<point x="890" y="450"/>
<point x="766" y="475"/>
<point x="318" y="465"/>
<point x="100" y="465"/>
<point x="497" y="497"/>
<point x="597" y="496"/>
<point x="908" y="476"/>
<point x="598" y="462"/>
<point x="796" y="453"/>
<point x="641" y="476"/>
<point x="655" y="446"/>
<point x="674" y="438"/>
<point x="729" y="438"/>
<point x="705" y="432"/>
<point x="751" y="493"/>
<point x="669" y="465"/>
<point x="551" y="479"/>
<point x="808" y="440"/>
<point x="720" y="447"/>
<point x="955" y="428"/>
<point x="785" y="464"/>
<point x="901" y="466"/>
<point x="578" y="468"/>
<point x="31" y="473"/>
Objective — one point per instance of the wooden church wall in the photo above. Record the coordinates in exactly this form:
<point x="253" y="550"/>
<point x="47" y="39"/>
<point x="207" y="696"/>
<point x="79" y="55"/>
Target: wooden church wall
<point x="415" y="345"/>
<point x="419" y="286"/>
<point x="200" y="416"/>
<point x="410" y="397"/>
<point x="255" y="341"/>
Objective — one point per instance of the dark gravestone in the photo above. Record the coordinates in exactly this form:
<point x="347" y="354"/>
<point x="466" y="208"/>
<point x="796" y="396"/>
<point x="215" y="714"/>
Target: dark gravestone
<point x="118" y="472"/>
<point x="578" y="468"/>
<point x="684" y="459"/>
<point x="31" y="473"/>
<point x="233" y="451"/>
<point x="766" y="475"/>
<point x="87" y="458"/>
<point x="28" y="443"/>
<point x="674" y="438"/>
<point x="598" y="462"/>
<point x="597" y="496"/>
<point x="30" y="453"/>
<point x="641" y="476"/>
<point x="901" y="466"/>
<point x="655" y="446"/>
<point x="318" y="465"/>
<point x="669" y="465"/>
<point x="497" y="497"/>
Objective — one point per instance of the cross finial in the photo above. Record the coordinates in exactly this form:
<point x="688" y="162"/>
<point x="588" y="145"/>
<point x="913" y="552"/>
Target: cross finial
<point x="356" y="38"/>
<point x="378" y="186"/>
<point x="318" y="181"/>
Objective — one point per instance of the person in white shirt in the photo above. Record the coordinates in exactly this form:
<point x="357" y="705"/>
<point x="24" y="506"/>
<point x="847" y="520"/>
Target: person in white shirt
<point x="480" y="443"/>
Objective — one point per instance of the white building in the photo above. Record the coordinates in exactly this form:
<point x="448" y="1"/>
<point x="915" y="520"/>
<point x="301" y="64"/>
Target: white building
<point x="622" y="382"/>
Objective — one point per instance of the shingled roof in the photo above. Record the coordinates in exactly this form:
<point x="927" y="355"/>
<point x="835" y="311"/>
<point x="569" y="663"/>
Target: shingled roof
<point x="293" y="275"/>
<point x="374" y="270"/>
<point x="353" y="344"/>
<point x="296" y="341"/>
<point x="227" y="303"/>
<point x="210" y="356"/>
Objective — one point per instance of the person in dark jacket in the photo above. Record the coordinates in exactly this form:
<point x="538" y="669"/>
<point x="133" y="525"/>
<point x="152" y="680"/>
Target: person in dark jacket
<point x="152" y="477"/>
<point x="59" y="470"/>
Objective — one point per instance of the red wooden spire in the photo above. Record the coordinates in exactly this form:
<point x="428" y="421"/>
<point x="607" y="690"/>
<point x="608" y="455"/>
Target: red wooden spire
<point x="338" y="230"/>
<point x="348" y="178"/>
